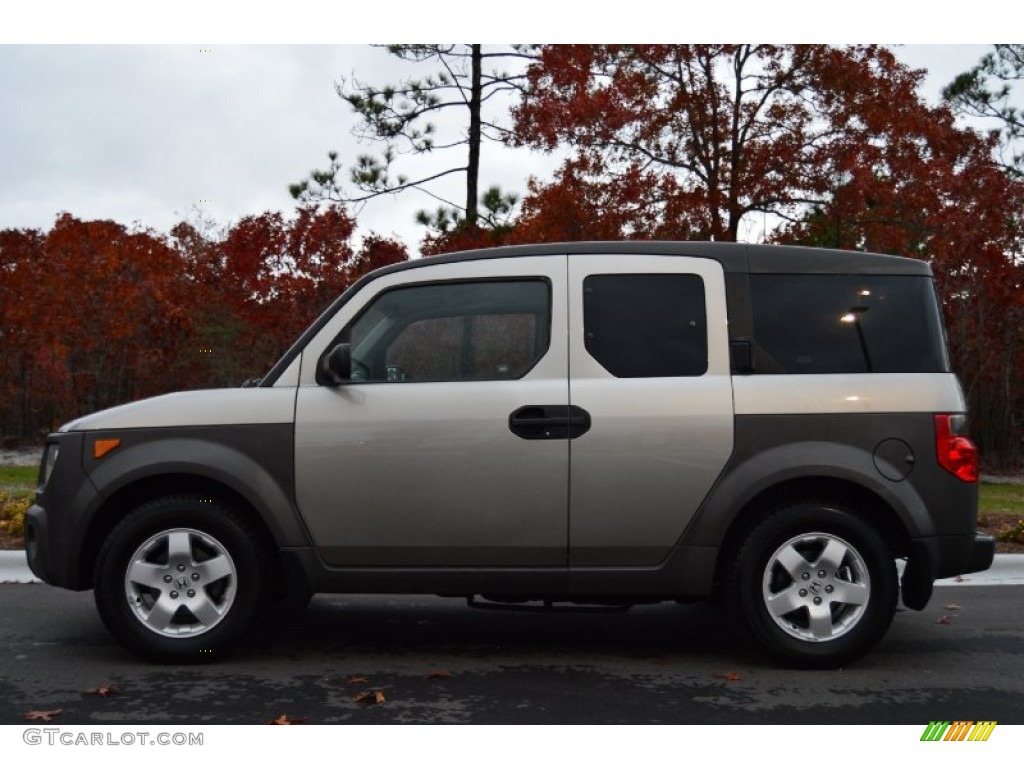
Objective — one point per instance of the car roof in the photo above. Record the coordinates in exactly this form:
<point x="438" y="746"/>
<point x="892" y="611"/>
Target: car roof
<point x="734" y="257"/>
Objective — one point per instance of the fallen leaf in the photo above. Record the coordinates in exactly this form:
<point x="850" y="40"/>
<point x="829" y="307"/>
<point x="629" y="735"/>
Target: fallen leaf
<point x="43" y="714"/>
<point x="944" y="619"/>
<point x="952" y="607"/>
<point x="959" y="578"/>
<point x="371" y="697"/>
<point x="663" y="660"/>
<point x="285" y="720"/>
<point x="102" y="690"/>
<point x="436" y="673"/>
<point x="730" y="676"/>
<point x="358" y="681"/>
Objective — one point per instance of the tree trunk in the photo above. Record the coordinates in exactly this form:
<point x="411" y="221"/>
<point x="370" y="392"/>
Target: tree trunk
<point x="475" y="130"/>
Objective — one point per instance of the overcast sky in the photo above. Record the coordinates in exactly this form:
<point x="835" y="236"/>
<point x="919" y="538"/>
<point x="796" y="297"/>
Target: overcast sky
<point x="149" y="133"/>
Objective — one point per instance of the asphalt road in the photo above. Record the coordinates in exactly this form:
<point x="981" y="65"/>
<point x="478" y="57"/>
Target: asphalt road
<point x="437" y="661"/>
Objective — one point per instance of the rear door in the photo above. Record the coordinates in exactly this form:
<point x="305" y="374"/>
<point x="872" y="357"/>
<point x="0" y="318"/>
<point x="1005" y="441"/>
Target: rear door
<point x="649" y="364"/>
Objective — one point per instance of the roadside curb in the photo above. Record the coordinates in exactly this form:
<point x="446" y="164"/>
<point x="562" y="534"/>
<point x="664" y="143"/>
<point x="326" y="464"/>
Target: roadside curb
<point x="1007" y="570"/>
<point x="14" y="568"/>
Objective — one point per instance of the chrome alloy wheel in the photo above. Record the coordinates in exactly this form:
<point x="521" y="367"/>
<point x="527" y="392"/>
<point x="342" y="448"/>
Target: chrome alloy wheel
<point x="180" y="582"/>
<point x="816" y="587"/>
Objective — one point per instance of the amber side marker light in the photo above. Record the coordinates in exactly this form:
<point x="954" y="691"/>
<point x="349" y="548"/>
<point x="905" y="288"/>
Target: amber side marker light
<point x="102" y="447"/>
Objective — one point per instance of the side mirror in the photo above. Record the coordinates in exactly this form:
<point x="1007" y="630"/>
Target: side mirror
<point x="336" y="366"/>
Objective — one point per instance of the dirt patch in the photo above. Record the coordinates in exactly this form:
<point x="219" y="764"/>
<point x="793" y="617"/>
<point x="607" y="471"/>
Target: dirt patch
<point x="10" y="542"/>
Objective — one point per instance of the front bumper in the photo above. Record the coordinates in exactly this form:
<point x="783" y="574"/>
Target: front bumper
<point x="55" y="526"/>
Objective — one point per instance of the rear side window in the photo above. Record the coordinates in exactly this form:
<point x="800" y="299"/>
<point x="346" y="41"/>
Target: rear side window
<point x="646" y="325"/>
<point x="847" y="324"/>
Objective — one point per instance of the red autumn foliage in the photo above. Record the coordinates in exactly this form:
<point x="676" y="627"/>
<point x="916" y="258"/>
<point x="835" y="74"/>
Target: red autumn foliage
<point x="95" y="314"/>
<point x="686" y="141"/>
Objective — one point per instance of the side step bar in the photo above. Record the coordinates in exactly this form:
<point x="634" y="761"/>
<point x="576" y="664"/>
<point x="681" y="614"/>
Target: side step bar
<point x="546" y="606"/>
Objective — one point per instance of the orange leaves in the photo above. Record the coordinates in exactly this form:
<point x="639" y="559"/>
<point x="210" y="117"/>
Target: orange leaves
<point x="437" y="674"/>
<point x="102" y="690"/>
<point x="371" y="697"/>
<point x="283" y="719"/>
<point x="44" y="715"/>
<point x="730" y="677"/>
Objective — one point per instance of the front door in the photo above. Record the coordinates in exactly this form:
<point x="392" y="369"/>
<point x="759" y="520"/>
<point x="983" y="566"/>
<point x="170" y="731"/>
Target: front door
<point x="430" y="455"/>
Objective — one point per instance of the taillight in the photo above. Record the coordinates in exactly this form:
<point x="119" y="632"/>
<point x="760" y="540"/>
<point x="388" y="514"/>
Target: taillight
<point x="956" y="452"/>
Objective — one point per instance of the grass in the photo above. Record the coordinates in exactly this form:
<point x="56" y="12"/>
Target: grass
<point x="1001" y="499"/>
<point x="18" y="479"/>
<point x="17" y="486"/>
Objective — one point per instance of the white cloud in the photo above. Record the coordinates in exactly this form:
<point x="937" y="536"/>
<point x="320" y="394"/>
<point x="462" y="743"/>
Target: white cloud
<point x="144" y="133"/>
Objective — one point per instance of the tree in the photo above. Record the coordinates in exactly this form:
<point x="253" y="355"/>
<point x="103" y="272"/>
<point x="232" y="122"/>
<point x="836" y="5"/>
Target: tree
<point x="401" y="117"/>
<point x="267" y="277"/>
<point x="101" y="317"/>
<point x="935" y="193"/>
<point x="690" y="141"/>
<point x="984" y="91"/>
<point x="93" y="313"/>
<point x="721" y="131"/>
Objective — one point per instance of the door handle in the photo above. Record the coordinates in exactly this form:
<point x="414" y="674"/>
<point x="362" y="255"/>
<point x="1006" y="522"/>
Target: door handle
<point x="549" y="422"/>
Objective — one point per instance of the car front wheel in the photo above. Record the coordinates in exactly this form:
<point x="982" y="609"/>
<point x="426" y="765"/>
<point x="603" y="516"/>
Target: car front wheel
<point x="180" y="580"/>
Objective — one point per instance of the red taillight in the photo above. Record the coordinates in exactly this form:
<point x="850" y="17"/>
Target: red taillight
<point x="956" y="452"/>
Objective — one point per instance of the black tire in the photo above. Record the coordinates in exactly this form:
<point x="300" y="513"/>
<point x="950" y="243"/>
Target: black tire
<point x="169" y="613"/>
<point x="813" y="586"/>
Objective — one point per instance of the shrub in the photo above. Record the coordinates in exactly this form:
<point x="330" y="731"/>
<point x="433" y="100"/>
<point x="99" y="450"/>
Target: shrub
<point x="1014" y="534"/>
<point x="12" y="514"/>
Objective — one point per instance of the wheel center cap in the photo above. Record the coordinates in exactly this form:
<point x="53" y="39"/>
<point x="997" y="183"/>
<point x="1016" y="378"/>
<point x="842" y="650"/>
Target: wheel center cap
<point x="181" y="582"/>
<point x="815" y="587"/>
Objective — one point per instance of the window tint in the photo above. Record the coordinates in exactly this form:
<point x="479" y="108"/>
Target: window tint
<point x="646" y="325"/>
<point x="451" y="332"/>
<point x="846" y="324"/>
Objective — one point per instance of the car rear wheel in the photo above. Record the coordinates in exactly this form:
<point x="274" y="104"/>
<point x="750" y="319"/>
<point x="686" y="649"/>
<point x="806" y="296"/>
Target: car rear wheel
<point x="180" y="579"/>
<point x="813" y="586"/>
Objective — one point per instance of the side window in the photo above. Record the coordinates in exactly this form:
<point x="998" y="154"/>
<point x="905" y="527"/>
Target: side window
<point x="847" y="324"/>
<point x="452" y="332"/>
<point x="646" y="325"/>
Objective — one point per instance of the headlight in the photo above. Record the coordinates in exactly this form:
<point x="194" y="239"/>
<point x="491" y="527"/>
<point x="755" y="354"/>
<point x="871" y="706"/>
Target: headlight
<point x="49" y="461"/>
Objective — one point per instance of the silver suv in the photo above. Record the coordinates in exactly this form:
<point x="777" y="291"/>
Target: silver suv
<point x="593" y="423"/>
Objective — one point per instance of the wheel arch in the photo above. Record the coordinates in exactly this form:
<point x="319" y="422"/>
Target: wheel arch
<point x="840" y="492"/>
<point x="147" y="488"/>
<point x="755" y="485"/>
